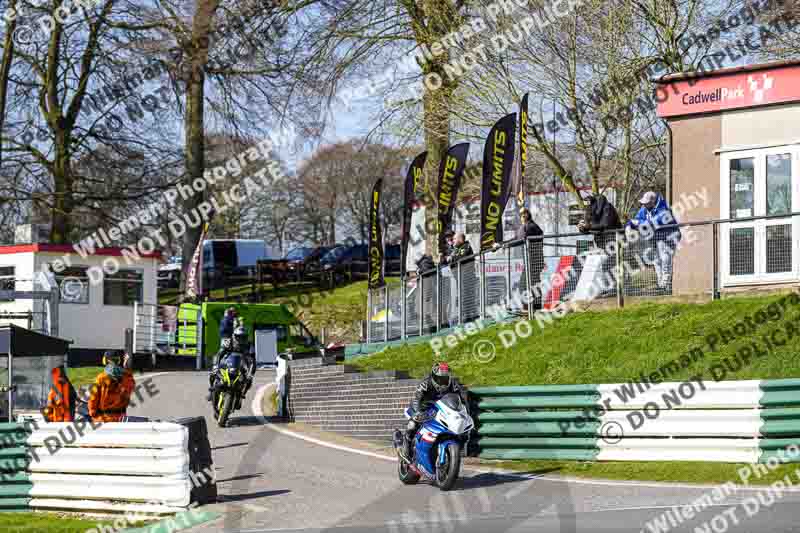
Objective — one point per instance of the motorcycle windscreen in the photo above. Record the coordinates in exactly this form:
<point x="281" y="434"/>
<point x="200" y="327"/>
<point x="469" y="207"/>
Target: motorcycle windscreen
<point x="233" y="361"/>
<point x="452" y="400"/>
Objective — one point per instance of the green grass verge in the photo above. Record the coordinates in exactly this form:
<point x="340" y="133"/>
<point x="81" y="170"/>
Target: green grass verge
<point x="86" y="375"/>
<point x="612" y="347"/>
<point x="665" y="471"/>
<point x="47" y="522"/>
<point x="273" y="401"/>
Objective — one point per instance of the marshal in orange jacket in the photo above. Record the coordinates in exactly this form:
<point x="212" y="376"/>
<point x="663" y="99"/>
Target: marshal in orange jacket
<point x="61" y="399"/>
<point x="109" y="398"/>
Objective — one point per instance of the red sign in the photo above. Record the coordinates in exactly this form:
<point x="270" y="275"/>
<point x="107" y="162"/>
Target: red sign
<point x="736" y="90"/>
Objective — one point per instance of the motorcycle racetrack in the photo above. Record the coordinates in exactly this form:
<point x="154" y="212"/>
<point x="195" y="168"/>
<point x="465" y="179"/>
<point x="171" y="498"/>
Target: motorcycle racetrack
<point x="272" y="481"/>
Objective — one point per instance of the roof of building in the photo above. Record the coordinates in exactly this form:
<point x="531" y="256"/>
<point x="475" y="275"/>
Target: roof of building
<point x="680" y="76"/>
<point x="66" y="249"/>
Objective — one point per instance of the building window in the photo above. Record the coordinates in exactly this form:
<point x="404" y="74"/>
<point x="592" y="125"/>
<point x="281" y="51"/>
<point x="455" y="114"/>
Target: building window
<point x="6" y="282"/>
<point x="779" y="184"/>
<point x="123" y="288"/>
<point x="742" y="179"/>
<point x="73" y="283"/>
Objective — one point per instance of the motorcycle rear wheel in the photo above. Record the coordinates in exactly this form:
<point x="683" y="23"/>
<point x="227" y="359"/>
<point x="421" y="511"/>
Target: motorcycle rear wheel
<point x="447" y="473"/>
<point x="224" y="404"/>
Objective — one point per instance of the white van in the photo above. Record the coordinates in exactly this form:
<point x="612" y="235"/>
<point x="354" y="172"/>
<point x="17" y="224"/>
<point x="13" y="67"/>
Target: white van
<point x="234" y="257"/>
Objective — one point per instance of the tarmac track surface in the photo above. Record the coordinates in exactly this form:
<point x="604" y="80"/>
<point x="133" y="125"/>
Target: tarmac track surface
<point x="269" y="481"/>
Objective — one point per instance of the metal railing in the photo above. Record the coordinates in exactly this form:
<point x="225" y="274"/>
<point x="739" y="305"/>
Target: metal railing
<point x="165" y="329"/>
<point x="32" y="303"/>
<point x="522" y="277"/>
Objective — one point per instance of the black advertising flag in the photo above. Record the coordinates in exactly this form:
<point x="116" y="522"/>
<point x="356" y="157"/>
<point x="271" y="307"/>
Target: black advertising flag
<point x="450" y="171"/>
<point x="498" y="162"/>
<point x="375" y="238"/>
<point x="411" y="188"/>
<point x="519" y="189"/>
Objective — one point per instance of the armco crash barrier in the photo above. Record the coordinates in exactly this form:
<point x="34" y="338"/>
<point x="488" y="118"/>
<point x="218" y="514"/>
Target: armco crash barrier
<point x="15" y="484"/>
<point x="727" y="421"/>
<point x="139" y="466"/>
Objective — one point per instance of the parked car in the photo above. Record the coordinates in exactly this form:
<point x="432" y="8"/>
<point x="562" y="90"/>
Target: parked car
<point x="169" y="275"/>
<point x="295" y="265"/>
<point x="343" y="263"/>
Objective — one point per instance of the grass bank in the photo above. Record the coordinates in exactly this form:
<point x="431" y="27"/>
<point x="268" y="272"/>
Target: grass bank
<point x="610" y="346"/>
<point x="618" y="346"/>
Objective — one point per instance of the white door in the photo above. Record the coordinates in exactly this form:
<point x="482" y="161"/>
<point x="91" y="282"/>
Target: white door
<point x="757" y="183"/>
<point x="266" y="347"/>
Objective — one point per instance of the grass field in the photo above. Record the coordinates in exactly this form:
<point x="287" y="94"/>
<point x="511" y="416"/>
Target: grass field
<point x="612" y="347"/>
<point x="83" y="375"/>
<point x="87" y="374"/>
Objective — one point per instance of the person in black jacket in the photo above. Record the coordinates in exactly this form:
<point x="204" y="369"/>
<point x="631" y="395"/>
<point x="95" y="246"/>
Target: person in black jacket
<point x="227" y="324"/>
<point x="425" y="264"/>
<point x="461" y="248"/>
<point x="600" y="218"/>
<point x="428" y="392"/>
<point x="528" y="229"/>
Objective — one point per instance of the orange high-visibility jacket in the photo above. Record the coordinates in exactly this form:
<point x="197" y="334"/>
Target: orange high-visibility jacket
<point x="61" y="399"/>
<point x="109" y="398"/>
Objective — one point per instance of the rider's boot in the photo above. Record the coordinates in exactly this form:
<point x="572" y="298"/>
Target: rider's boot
<point x="211" y="376"/>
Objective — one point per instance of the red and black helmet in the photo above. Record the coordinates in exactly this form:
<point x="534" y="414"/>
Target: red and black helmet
<point x="440" y="375"/>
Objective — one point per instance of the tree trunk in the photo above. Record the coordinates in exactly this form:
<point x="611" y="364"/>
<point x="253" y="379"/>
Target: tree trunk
<point x="195" y="155"/>
<point x="194" y="127"/>
<point x="5" y="69"/>
<point x="436" y="124"/>
<point x="61" y="229"/>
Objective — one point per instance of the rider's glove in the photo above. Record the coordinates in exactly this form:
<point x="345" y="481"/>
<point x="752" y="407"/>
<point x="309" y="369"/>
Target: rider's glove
<point x="419" y="418"/>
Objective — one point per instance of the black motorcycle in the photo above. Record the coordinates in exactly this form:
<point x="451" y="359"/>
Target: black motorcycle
<point x="230" y="382"/>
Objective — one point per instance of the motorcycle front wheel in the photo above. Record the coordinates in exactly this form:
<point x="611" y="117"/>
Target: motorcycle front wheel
<point x="224" y="404"/>
<point x="447" y="472"/>
<point x="404" y="472"/>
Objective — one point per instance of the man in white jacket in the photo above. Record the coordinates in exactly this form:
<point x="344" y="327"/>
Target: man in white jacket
<point x="280" y="382"/>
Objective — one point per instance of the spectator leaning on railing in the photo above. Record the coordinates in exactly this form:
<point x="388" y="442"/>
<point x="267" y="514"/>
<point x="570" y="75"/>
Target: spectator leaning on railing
<point x="601" y="217"/>
<point x="461" y="248"/>
<point x="528" y="228"/>
<point x="662" y="236"/>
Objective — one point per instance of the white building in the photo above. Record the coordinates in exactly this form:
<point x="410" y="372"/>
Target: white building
<point x="95" y="307"/>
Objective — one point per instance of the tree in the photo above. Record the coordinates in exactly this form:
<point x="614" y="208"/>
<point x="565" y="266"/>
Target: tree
<point x="354" y="33"/>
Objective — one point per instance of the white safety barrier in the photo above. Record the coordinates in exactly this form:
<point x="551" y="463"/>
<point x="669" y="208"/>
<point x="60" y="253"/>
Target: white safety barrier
<point x="140" y="467"/>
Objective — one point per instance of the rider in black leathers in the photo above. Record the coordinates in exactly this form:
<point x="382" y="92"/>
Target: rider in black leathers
<point x="429" y="391"/>
<point x="237" y="343"/>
